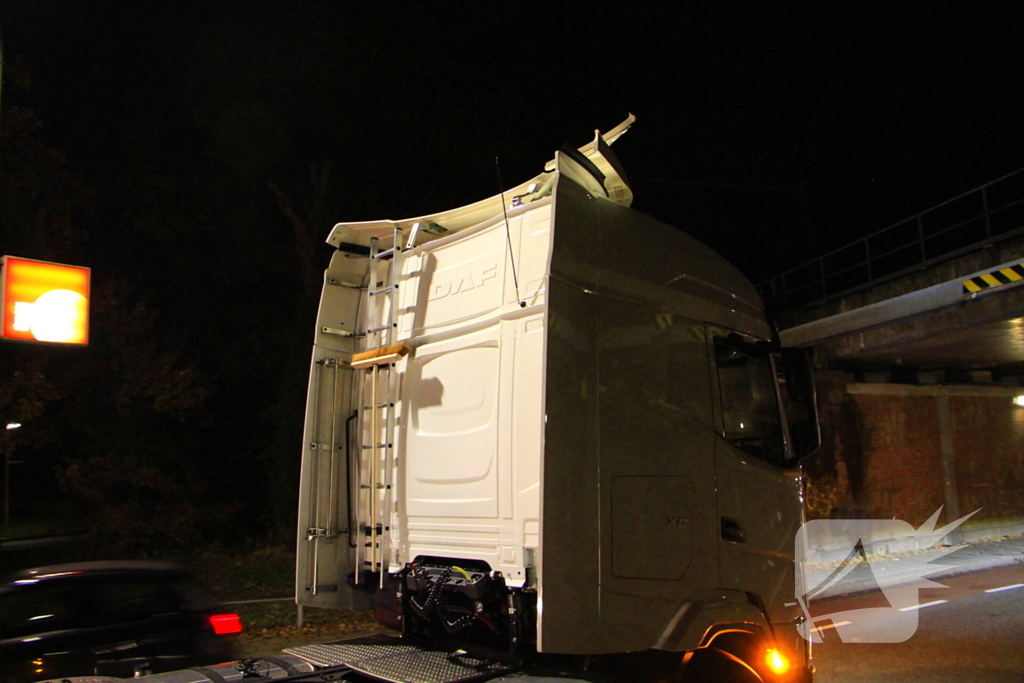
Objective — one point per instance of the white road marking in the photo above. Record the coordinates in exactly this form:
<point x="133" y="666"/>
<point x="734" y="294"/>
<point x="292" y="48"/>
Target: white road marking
<point x="1005" y="588"/>
<point x="926" y="604"/>
<point x="819" y="629"/>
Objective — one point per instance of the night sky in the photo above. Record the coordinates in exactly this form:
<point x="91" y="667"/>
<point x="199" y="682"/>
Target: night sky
<point x="195" y="155"/>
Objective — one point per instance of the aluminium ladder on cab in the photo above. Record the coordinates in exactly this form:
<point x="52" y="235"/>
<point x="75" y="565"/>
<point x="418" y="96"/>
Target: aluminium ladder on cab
<point x="326" y="460"/>
<point x="377" y="380"/>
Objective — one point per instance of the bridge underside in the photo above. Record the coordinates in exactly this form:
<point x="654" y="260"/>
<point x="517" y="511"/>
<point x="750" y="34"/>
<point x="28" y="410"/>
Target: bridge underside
<point x="982" y="335"/>
<point x="918" y="385"/>
<point x="964" y="315"/>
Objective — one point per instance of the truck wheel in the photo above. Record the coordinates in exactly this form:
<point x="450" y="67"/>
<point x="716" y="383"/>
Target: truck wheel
<point x="711" y="665"/>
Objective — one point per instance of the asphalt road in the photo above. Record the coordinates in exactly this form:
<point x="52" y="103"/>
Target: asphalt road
<point x="974" y="636"/>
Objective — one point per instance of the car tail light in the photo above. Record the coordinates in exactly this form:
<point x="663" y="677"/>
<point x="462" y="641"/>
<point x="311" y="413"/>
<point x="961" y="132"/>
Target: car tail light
<point x="223" y="624"/>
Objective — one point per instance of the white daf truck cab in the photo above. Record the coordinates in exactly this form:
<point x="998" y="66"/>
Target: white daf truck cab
<point x="548" y="433"/>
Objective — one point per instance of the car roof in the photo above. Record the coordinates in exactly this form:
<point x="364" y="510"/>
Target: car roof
<point x="98" y="569"/>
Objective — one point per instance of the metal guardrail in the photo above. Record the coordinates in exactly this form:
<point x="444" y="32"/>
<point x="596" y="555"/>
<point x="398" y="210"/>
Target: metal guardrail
<point x="290" y="598"/>
<point x="978" y="218"/>
<point x="300" y="613"/>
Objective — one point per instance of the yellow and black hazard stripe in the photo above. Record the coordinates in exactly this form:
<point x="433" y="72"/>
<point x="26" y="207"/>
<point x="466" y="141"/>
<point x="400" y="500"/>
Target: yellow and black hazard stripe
<point x="994" y="278"/>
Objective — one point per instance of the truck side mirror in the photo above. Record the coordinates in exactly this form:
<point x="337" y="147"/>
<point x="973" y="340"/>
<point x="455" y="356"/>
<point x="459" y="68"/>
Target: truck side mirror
<point x="804" y="431"/>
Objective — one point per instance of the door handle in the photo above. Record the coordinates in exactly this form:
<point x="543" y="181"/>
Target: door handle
<point x="732" y="531"/>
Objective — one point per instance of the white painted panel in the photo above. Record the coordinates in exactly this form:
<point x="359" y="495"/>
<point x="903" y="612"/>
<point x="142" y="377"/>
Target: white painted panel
<point x="454" y="549"/>
<point x="473" y="394"/>
<point x="459" y="280"/>
<point x="446" y="525"/>
<point x="453" y="537"/>
<point x="535" y="253"/>
<point x="528" y="417"/>
<point x="452" y="387"/>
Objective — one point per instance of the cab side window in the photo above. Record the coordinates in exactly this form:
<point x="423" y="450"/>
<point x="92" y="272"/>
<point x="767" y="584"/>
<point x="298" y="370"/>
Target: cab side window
<point x="750" y="407"/>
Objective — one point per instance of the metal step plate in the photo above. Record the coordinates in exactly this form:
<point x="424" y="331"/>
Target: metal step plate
<point x="427" y="666"/>
<point x="387" y="658"/>
<point x="350" y="651"/>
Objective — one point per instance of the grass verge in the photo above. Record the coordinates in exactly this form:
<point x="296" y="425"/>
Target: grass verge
<point x="269" y="627"/>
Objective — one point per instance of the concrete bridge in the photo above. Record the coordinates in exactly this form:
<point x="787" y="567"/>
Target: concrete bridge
<point x="918" y="335"/>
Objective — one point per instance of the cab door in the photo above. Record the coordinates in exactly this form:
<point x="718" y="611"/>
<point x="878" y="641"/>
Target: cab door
<point x="759" y="504"/>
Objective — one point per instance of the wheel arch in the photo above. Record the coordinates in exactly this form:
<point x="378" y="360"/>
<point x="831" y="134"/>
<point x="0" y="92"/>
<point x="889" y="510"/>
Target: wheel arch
<point x="696" y="625"/>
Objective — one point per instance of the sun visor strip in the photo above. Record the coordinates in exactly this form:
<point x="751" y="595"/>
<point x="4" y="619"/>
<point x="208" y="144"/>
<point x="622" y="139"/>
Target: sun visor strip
<point x="616" y="182"/>
<point x="588" y="165"/>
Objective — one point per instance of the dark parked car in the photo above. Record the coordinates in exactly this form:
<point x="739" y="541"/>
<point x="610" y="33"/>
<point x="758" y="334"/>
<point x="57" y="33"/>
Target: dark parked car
<point x="107" y="618"/>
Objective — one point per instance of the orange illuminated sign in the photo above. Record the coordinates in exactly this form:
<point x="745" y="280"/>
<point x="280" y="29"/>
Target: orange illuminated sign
<point x="44" y="302"/>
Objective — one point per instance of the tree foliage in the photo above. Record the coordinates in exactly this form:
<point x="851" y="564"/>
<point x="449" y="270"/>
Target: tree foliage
<point x="114" y="424"/>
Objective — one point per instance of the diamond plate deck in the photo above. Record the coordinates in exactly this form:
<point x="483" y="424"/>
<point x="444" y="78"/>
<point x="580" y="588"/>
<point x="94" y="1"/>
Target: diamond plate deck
<point x="428" y="666"/>
<point x="352" y="651"/>
<point x="391" y="659"/>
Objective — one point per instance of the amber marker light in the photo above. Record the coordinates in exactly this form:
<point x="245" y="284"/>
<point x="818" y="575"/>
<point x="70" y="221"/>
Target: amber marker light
<point x="44" y="302"/>
<point x="776" y="661"/>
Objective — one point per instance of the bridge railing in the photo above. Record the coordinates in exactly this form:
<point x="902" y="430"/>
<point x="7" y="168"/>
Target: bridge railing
<point x="965" y="223"/>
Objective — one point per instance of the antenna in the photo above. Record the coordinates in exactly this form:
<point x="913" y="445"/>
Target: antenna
<point x="508" y="233"/>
